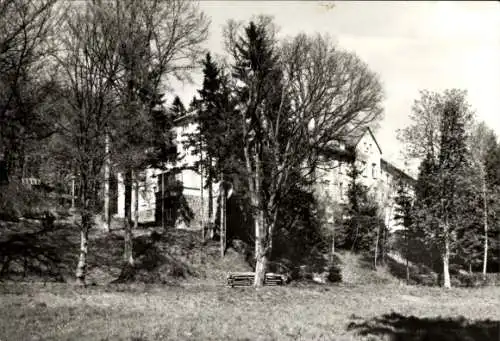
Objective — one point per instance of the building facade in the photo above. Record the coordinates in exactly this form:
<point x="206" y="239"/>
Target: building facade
<point x="162" y="194"/>
<point x="173" y="196"/>
<point x="380" y="176"/>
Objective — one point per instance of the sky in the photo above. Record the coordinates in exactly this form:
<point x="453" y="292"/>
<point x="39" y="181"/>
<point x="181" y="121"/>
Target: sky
<point x="434" y="45"/>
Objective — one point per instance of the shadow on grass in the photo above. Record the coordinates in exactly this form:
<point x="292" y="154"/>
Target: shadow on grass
<point x="396" y="327"/>
<point x="38" y="252"/>
<point x="421" y="275"/>
<point x="159" y="258"/>
<point x="30" y="252"/>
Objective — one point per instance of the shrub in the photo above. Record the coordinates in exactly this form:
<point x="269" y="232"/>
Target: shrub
<point x="334" y="274"/>
<point x="473" y="280"/>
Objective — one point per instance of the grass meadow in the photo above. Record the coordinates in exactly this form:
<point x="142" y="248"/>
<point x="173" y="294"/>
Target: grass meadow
<point x="186" y="298"/>
<point x="198" y="311"/>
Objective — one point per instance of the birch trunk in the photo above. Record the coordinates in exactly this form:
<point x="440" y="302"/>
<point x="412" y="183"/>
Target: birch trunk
<point x="485" y="220"/>
<point x="107" y="171"/>
<point x="446" y="259"/>
<point x="407" y="256"/>
<point x="202" y="198"/>
<point x="128" y="247"/>
<point x="260" y="251"/>
<point x="222" y="219"/>
<point x="376" y="247"/>
<point x="260" y="230"/>
<point x="81" y="268"/>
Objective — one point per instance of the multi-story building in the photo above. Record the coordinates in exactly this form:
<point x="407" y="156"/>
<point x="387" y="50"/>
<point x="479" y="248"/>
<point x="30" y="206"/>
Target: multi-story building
<point x="174" y="195"/>
<point x="379" y="175"/>
<point x="159" y="203"/>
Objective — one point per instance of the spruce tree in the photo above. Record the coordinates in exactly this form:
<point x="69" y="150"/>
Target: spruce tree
<point x="363" y="227"/>
<point x="404" y="216"/>
<point x="453" y="166"/>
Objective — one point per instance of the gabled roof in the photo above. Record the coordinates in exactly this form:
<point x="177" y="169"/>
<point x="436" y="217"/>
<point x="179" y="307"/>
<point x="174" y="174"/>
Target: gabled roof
<point x="354" y="140"/>
<point x="187" y="118"/>
<point x="392" y="169"/>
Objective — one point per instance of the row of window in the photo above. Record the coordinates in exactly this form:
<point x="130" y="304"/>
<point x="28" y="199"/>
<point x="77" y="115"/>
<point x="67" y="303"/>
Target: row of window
<point x="364" y="169"/>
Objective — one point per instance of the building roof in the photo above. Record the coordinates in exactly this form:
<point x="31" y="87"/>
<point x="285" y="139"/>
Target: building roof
<point x="354" y="140"/>
<point x="392" y="169"/>
<point x="186" y="118"/>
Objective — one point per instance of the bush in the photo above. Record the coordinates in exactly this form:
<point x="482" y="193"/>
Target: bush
<point x="493" y="279"/>
<point x="16" y="200"/>
<point x="334" y="274"/>
<point x="473" y="280"/>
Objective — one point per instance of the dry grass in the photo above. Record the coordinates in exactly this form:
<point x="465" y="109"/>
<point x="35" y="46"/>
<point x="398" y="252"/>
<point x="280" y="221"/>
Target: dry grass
<point x="369" y="305"/>
<point x="201" y="312"/>
<point x="27" y="252"/>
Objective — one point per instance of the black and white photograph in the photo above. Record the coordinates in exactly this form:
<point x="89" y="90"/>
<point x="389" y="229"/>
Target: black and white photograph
<point x="181" y="170"/>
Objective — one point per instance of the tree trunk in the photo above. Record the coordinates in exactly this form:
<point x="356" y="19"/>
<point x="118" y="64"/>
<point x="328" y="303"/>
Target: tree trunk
<point x="210" y="201"/>
<point x="407" y="256"/>
<point x="260" y="230"/>
<point x="210" y="192"/>
<point x="222" y="219"/>
<point x="384" y="235"/>
<point x="136" y="201"/>
<point x="128" y="247"/>
<point x="107" y="171"/>
<point x="383" y="247"/>
<point x="376" y="247"/>
<point x="355" y="240"/>
<point x="81" y="268"/>
<point x="485" y="222"/>
<point x="407" y="271"/>
<point x="211" y="216"/>
<point x="202" y="199"/>
<point x="332" y="248"/>
<point x="72" y="192"/>
<point x="446" y="260"/>
<point x="260" y="250"/>
<point x="163" y="201"/>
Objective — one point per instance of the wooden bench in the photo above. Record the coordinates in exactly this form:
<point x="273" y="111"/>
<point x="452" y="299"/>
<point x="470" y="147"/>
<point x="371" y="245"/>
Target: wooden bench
<point x="235" y="279"/>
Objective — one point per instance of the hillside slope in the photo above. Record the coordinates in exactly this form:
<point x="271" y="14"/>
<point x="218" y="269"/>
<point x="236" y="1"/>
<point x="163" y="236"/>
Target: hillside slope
<point x="28" y="252"/>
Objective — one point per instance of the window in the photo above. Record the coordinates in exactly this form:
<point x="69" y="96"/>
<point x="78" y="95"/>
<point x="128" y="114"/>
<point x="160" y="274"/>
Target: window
<point x="341" y="191"/>
<point x="364" y="169"/>
<point x="340" y="167"/>
<point x="374" y="170"/>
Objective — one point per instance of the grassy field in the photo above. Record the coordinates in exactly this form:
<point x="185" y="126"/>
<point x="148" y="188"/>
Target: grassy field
<point x="186" y="300"/>
<point x="196" y="311"/>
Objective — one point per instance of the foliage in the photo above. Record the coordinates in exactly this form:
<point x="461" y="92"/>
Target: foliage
<point x="443" y="211"/>
<point x="219" y="137"/>
<point x="363" y="220"/>
<point x="286" y="125"/>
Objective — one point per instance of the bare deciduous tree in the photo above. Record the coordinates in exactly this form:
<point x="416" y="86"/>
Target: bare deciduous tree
<point x="25" y="27"/>
<point x="481" y="139"/>
<point x="294" y="109"/>
<point x="87" y="68"/>
<point x="156" y="40"/>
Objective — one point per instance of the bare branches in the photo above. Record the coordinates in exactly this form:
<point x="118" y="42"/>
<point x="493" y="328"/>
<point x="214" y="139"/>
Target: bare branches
<point x="423" y="136"/>
<point x="24" y="26"/>
<point x="331" y="91"/>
